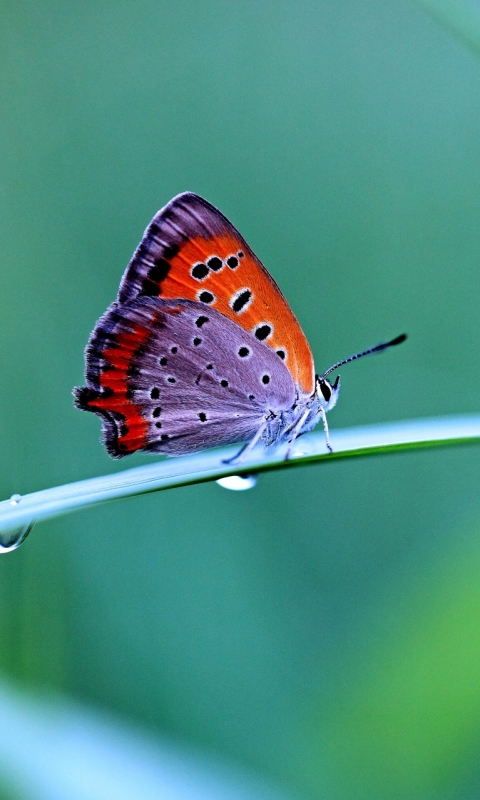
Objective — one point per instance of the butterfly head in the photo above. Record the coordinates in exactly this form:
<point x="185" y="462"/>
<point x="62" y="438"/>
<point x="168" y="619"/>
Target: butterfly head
<point x="326" y="392"/>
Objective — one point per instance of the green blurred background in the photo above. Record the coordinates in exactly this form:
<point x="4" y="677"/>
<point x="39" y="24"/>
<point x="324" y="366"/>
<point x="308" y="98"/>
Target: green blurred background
<point x="323" y="630"/>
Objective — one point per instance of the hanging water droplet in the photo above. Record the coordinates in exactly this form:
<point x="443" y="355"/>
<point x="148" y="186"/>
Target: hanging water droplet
<point x="12" y="538"/>
<point x="238" y="483"/>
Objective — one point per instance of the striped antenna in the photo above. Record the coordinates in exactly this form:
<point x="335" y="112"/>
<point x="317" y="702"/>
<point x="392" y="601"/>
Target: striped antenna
<point x="369" y="352"/>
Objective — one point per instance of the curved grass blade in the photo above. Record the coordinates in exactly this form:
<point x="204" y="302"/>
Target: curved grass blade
<point x="18" y="513"/>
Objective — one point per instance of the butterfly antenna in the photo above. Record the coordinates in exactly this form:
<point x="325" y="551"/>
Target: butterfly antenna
<point x="369" y="352"/>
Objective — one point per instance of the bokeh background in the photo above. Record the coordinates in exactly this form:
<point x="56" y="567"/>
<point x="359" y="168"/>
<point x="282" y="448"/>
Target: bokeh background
<point x="319" y="634"/>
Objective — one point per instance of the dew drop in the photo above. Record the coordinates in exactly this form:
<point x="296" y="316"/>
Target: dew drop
<point x="12" y="538"/>
<point x="238" y="483"/>
<point x="15" y="499"/>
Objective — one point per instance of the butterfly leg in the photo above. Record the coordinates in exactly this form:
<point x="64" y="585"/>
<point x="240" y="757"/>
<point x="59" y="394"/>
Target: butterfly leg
<point x="246" y="449"/>
<point x="325" y="429"/>
<point x="298" y="427"/>
<point x="295" y="431"/>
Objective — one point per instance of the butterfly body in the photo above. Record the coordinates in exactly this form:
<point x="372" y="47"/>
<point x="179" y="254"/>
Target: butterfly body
<point x="200" y="380"/>
<point x="200" y="349"/>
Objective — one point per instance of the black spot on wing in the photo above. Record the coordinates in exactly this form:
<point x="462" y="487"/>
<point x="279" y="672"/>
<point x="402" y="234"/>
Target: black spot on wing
<point x="160" y="270"/>
<point x="171" y="250"/>
<point x="150" y="288"/>
<point x="240" y="300"/>
<point x="263" y="332"/>
<point x="215" y="263"/>
<point x="199" y="271"/>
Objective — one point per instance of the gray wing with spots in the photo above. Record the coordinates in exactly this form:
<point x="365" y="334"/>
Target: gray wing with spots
<point x="201" y="380"/>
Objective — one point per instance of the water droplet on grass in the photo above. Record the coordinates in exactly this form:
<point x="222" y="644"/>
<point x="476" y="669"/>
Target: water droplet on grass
<point x="238" y="483"/>
<point x="12" y="538"/>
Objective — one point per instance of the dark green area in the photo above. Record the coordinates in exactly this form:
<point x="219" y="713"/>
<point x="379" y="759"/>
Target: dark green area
<point x="324" y="627"/>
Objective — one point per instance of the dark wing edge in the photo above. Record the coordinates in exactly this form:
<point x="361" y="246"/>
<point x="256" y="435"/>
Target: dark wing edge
<point x="94" y="397"/>
<point x="185" y="217"/>
<point x="84" y="398"/>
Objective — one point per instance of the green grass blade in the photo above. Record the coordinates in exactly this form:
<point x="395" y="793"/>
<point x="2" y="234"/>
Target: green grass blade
<point x="19" y="513"/>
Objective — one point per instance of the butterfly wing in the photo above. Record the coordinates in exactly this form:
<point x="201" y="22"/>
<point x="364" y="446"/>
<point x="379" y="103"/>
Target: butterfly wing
<point x="171" y="376"/>
<point x="190" y="250"/>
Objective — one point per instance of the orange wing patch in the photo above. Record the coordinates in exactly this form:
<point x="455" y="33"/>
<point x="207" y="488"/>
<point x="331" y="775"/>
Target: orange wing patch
<point x="191" y="251"/>
<point x="219" y="273"/>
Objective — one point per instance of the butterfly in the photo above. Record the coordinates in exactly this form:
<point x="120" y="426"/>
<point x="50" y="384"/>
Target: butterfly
<point x="201" y="348"/>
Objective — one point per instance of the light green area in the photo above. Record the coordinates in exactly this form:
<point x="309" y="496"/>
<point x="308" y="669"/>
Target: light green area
<point x="342" y="139"/>
<point x="407" y="714"/>
<point x="460" y="18"/>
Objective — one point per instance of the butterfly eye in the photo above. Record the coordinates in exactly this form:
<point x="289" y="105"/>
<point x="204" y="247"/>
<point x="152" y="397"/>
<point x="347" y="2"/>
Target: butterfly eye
<point x="325" y="390"/>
